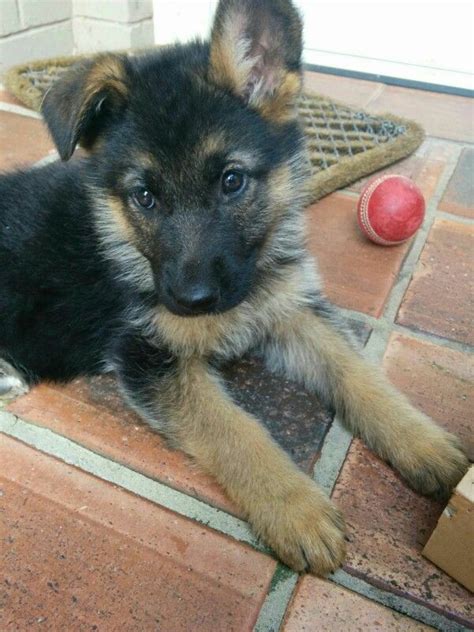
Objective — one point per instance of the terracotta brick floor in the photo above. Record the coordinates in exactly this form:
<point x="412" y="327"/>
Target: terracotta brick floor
<point x="104" y="528"/>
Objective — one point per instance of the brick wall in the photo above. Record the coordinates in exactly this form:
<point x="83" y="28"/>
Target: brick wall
<point x="32" y="29"/>
<point x="35" y="29"/>
<point x="112" y="24"/>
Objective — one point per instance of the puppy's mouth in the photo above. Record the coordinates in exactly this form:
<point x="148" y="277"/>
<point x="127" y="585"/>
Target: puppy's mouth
<point x="200" y="309"/>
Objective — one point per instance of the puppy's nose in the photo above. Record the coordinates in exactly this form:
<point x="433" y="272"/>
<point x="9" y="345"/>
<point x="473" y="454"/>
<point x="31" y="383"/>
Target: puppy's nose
<point x="199" y="298"/>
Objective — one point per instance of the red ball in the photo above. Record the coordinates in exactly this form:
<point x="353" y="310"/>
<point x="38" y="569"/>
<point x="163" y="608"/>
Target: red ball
<point x="390" y="210"/>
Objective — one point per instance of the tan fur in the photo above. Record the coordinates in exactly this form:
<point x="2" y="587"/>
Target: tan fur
<point x="107" y="73"/>
<point x="216" y="143"/>
<point x="212" y="144"/>
<point x="117" y="236"/>
<point x="120" y="221"/>
<point x="286" y="183"/>
<point x="283" y="505"/>
<point x="310" y="349"/>
<point x="281" y="186"/>
<point x="232" y="333"/>
<point x="230" y="65"/>
<point x="146" y="160"/>
<point x="282" y="106"/>
<point x="106" y="76"/>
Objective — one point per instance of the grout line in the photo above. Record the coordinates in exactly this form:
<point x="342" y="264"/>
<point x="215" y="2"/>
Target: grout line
<point x="332" y="456"/>
<point x="377" y="344"/>
<point x="424" y="336"/>
<point x="93" y="18"/>
<point x="284" y="580"/>
<point x="72" y="453"/>
<point x="21" y="15"/>
<point x="360" y="317"/>
<point x="407" y="269"/>
<point x="375" y="95"/>
<point x="395" y="602"/>
<point x="18" y="109"/>
<point x="462" y="144"/>
<point x="25" y="30"/>
<point x="382" y="324"/>
<point x="279" y="595"/>
<point x="452" y="160"/>
<point x="468" y="221"/>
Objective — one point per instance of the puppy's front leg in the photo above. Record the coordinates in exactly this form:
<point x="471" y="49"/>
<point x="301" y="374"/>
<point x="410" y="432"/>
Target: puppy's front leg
<point x="186" y="401"/>
<point x="312" y="348"/>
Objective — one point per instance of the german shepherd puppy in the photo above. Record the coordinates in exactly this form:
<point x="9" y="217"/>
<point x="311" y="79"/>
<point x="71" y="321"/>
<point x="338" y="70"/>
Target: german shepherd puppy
<point x="178" y="244"/>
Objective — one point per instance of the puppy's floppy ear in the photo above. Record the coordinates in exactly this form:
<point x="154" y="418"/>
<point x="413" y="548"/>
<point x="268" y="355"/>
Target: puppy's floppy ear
<point x="256" y="48"/>
<point x="75" y="107"/>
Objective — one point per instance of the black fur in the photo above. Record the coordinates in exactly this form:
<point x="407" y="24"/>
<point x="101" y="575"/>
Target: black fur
<point x="60" y="302"/>
<point x="140" y="366"/>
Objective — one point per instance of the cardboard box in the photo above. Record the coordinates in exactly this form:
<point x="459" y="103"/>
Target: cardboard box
<point x="451" y="546"/>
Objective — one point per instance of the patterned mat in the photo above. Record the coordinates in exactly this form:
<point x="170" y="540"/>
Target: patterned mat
<point x="344" y="143"/>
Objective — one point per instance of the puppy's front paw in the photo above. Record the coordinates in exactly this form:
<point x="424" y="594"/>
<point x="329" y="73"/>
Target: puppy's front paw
<point x="305" y="529"/>
<point x="434" y="463"/>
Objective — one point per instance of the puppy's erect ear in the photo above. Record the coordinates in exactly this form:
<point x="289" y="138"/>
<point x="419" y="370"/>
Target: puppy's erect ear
<point x="75" y="107"/>
<point x="256" y="48"/>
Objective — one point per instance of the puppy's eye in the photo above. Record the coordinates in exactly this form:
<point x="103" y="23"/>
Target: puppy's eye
<point x="144" y="199"/>
<point x="233" y="182"/>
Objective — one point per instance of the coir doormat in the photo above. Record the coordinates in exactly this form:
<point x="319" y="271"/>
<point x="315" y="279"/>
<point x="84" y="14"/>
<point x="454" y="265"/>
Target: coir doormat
<point x="344" y="143"/>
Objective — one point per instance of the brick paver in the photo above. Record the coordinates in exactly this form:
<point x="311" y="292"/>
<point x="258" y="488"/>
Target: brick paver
<point x="459" y="194"/>
<point x="388" y="525"/>
<point x="355" y="93"/>
<point x="91" y="413"/>
<point x="6" y="97"/>
<point x="23" y="141"/>
<point x="442" y="115"/>
<point x="439" y="299"/>
<point x="438" y="380"/>
<point x="319" y="605"/>
<point x="356" y="273"/>
<point x="80" y="554"/>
